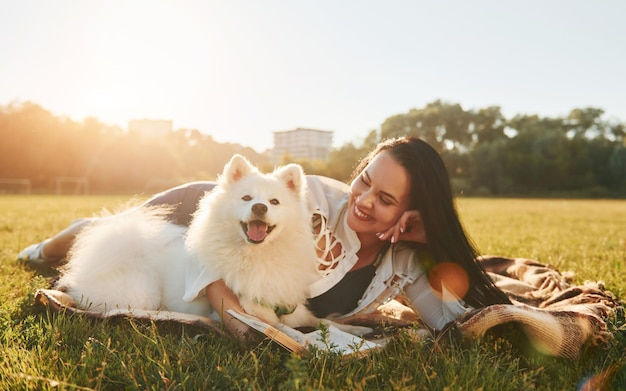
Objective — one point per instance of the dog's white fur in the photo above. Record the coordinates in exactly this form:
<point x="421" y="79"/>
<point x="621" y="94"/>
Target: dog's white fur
<point x="137" y="259"/>
<point x="132" y="260"/>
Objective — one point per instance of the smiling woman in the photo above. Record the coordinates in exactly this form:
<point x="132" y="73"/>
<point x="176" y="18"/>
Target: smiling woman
<point x="394" y="233"/>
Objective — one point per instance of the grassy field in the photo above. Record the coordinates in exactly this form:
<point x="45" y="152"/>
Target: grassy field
<point x="43" y="350"/>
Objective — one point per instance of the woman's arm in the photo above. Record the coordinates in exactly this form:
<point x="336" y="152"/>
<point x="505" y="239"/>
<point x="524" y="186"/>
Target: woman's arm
<point x="434" y="308"/>
<point x="222" y="298"/>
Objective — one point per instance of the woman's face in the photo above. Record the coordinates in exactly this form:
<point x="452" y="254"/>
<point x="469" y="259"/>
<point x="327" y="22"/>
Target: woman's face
<point x="379" y="195"/>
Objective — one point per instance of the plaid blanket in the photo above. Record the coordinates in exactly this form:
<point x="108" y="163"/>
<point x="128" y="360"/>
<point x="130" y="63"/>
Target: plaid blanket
<point x="558" y="318"/>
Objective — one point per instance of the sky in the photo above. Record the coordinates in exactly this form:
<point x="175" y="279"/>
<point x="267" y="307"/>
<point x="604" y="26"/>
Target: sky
<point x="241" y="69"/>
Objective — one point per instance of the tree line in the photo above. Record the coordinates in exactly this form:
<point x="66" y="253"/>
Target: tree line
<point x="580" y="155"/>
<point x="41" y="147"/>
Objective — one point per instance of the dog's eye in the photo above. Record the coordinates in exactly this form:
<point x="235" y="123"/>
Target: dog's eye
<point x="274" y="201"/>
<point x="246" y="198"/>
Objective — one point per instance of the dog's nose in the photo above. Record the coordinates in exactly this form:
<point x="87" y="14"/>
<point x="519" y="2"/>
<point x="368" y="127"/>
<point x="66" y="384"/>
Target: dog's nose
<point x="259" y="209"/>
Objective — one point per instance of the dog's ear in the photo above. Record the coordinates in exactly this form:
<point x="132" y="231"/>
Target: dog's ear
<point x="292" y="176"/>
<point x="237" y="168"/>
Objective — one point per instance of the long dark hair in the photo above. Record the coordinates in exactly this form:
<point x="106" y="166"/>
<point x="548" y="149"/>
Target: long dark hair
<point x="431" y="195"/>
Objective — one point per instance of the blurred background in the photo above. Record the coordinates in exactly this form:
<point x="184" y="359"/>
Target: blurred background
<point x="523" y="99"/>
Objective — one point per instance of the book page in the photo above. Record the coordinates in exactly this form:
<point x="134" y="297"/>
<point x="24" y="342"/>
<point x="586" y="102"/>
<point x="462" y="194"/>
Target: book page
<point x="337" y="340"/>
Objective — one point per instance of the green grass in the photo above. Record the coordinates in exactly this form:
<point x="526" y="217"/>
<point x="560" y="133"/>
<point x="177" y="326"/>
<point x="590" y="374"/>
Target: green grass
<point x="43" y="350"/>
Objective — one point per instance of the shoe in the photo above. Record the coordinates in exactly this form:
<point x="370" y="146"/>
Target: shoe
<point x="33" y="254"/>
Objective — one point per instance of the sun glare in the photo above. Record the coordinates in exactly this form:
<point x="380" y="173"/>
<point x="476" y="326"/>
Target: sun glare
<point x="136" y="60"/>
<point x="452" y="275"/>
<point x="111" y="101"/>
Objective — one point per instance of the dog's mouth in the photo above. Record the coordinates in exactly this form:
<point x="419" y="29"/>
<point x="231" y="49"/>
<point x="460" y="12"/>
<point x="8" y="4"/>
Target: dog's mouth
<point x="256" y="230"/>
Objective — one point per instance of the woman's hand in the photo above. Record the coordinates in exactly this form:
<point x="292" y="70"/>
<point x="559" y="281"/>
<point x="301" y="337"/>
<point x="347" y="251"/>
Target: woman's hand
<point x="222" y="298"/>
<point x="409" y="227"/>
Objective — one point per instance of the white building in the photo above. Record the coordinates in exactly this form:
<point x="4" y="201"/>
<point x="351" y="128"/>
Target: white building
<point x="151" y="127"/>
<point x="309" y="144"/>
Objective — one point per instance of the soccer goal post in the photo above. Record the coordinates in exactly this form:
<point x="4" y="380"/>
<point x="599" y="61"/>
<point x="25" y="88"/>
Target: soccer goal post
<point x="72" y="185"/>
<point x="10" y="185"/>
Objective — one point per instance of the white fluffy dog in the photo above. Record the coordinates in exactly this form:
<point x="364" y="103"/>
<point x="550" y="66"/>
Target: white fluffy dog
<point x="253" y="231"/>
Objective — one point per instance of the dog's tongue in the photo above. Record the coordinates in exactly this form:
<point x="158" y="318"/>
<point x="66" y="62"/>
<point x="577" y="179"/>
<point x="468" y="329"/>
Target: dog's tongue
<point x="257" y="230"/>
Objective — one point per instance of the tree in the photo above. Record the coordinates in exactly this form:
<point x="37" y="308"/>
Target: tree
<point x="585" y="123"/>
<point x="442" y="125"/>
<point x="487" y="125"/>
<point x="342" y="161"/>
<point x="490" y="162"/>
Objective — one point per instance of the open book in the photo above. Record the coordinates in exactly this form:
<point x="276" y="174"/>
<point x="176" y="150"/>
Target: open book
<point x="332" y="339"/>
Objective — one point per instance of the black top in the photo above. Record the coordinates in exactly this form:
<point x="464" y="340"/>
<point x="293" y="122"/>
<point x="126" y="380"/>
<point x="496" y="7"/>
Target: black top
<point x="345" y="295"/>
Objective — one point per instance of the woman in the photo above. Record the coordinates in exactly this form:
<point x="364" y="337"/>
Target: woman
<point x="394" y="231"/>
